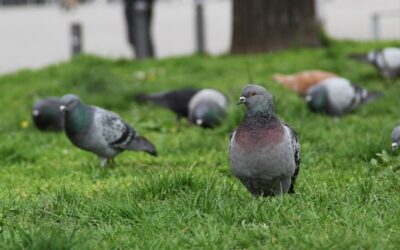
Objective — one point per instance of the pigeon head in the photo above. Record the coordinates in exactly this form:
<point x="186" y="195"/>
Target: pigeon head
<point x="317" y="99"/>
<point x="257" y="98"/>
<point x="208" y="114"/>
<point x="395" y="138"/>
<point x="46" y="114"/>
<point x="47" y="118"/>
<point x="69" y="102"/>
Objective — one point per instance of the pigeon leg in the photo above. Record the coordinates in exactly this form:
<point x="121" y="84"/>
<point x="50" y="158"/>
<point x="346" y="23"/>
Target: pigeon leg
<point x="112" y="162"/>
<point x="388" y="81"/>
<point x="103" y="162"/>
<point x="178" y="123"/>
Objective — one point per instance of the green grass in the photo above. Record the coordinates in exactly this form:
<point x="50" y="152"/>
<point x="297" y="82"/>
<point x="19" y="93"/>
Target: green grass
<point x="54" y="196"/>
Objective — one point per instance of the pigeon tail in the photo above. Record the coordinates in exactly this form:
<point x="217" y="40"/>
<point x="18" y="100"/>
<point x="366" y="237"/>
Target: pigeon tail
<point x="278" y="77"/>
<point x="372" y="95"/>
<point x="159" y="99"/>
<point x="175" y="100"/>
<point x="142" y="144"/>
<point x="143" y="97"/>
<point x="362" y="96"/>
<point x="293" y="180"/>
<point x="359" y="57"/>
<point x="286" y="80"/>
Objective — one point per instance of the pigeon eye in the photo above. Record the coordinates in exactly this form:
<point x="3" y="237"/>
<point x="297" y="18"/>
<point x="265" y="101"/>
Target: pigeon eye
<point x="252" y="93"/>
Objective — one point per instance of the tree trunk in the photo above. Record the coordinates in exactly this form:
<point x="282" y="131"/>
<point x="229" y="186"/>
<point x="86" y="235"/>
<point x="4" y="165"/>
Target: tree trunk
<point x="268" y="25"/>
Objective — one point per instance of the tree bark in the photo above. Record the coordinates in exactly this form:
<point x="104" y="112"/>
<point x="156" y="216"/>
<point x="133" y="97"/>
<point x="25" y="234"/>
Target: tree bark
<point x="269" y="25"/>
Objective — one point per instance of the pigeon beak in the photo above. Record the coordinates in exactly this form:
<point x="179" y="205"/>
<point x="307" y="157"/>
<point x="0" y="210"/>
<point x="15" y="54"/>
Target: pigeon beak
<point x="35" y="112"/>
<point x="199" y="122"/>
<point x="242" y="99"/>
<point x="308" y="98"/>
<point x="394" y="146"/>
<point x="62" y="107"/>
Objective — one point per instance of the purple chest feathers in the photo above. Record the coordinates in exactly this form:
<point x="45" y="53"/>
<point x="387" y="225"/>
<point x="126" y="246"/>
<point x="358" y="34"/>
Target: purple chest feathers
<point x="260" y="137"/>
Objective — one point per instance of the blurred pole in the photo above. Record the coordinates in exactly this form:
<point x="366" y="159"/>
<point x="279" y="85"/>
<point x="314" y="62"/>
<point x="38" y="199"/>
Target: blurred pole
<point x="375" y="26"/>
<point x="200" y="35"/>
<point x="76" y="39"/>
<point x="141" y="26"/>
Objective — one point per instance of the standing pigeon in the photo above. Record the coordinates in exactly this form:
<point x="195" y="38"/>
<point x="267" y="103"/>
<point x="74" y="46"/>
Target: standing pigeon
<point x="46" y="115"/>
<point x="395" y="138"/>
<point x="203" y="107"/>
<point x="100" y="131"/>
<point x="207" y="108"/>
<point x="386" y="60"/>
<point x="302" y="81"/>
<point x="336" y="96"/>
<point x="264" y="152"/>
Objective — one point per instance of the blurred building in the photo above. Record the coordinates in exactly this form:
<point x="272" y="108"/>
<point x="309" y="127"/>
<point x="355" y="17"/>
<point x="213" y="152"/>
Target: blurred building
<point x="37" y="32"/>
<point x="361" y="19"/>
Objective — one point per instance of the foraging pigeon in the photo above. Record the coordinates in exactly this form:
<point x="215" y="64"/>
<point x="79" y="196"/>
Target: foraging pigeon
<point x="175" y="100"/>
<point x="386" y="60"/>
<point x="302" y="81"/>
<point x="395" y="138"/>
<point x="46" y="115"/>
<point x="336" y="96"/>
<point x="264" y="152"/>
<point x="100" y="131"/>
<point x="205" y="107"/>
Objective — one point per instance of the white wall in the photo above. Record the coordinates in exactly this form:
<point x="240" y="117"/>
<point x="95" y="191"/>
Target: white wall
<point x="351" y="19"/>
<point x="36" y="36"/>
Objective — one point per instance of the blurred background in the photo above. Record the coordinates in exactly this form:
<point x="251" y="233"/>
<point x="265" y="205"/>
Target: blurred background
<point x="34" y="33"/>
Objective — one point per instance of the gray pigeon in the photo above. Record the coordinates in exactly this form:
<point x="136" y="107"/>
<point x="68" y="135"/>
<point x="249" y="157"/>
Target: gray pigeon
<point x="207" y="108"/>
<point x="264" y="152"/>
<point x="395" y="138"/>
<point x="100" y="131"/>
<point x="46" y="115"/>
<point x="336" y="96"/>
<point x="203" y="107"/>
<point x="386" y="60"/>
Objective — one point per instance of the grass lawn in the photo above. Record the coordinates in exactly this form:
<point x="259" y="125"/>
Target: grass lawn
<point x="55" y="196"/>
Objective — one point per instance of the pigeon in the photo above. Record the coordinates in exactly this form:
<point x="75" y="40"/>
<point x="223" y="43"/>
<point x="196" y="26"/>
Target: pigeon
<point x="175" y="100"/>
<point x="207" y="108"/>
<point x="264" y="153"/>
<point x="336" y="96"/>
<point x="46" y="115"/>
<point x="100" y="131"/>
<point x="395" y="138"/>
<point x="302" y="81"/>
<point x="203" y="107"/>
<point x="386" y="60"/>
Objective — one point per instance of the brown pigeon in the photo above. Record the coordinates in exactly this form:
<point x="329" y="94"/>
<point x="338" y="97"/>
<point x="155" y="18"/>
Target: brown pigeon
<point x="302" y="81"/>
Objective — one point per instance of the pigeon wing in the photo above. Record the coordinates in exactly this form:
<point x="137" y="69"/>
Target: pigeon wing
<point x="296" y="148"/>
<point x="231" y="138"/>
<point x="114" y="130"/>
